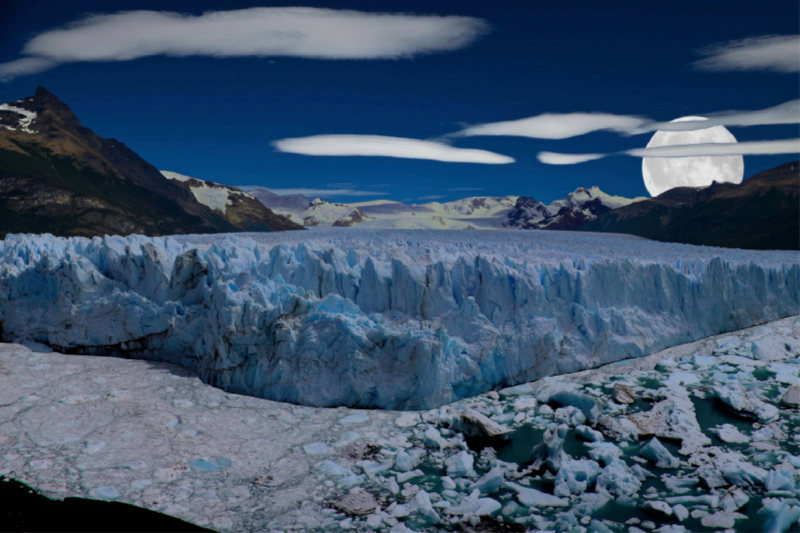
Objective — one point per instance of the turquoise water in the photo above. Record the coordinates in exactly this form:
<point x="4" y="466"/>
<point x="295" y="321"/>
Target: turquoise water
<point x="710" y="413"/>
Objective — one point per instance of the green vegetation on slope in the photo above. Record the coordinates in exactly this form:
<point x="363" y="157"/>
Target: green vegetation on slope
<point x="123" y="206"/>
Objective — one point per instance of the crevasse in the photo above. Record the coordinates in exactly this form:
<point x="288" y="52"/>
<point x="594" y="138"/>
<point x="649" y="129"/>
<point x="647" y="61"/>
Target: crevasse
<point x="397" y="325"/>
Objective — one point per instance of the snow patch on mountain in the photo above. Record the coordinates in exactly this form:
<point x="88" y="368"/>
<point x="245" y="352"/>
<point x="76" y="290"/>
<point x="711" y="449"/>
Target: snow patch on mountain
<point x="322" y="213"/>
<point x="576" y="209"/>
<point x="24" y="123"/>
<point x="478" y="212"/>
<point x="385" y="319"/>
<point x="214" y="195"/>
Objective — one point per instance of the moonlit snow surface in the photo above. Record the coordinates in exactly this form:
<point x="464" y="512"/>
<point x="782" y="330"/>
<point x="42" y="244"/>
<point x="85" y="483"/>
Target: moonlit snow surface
<point x="664" y="173"/>
<point x="383" y="319"/>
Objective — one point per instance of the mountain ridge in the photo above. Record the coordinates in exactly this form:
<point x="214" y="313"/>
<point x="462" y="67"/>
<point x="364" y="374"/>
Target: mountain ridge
<point x="475" y="212"/>
<point x="762" y="213"/>
<point x="57" y="176"/>
<point x="234" y="205"/>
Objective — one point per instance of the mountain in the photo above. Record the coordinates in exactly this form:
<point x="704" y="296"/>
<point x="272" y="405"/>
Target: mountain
<point x="234" y="205"/>
<point x="761" y="213"/>
<point x="277" y="202"/>
<point x="322" y="213"/>
<point x="469" y="213"/>
<point x="480" y="212"/>
<point x="59" y="177"/>
<point x="572" y="213"/>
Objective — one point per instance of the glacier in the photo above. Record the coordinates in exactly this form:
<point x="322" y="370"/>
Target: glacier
<point x="382" y="319"/>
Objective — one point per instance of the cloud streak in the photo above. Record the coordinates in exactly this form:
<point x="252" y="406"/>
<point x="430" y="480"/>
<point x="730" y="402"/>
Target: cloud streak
<point x="552" y="158"/>
<point x="260" y="32"/>
<point x="557" y="125"/>
<point x="567" y="125"/>
<point x="379" y="145"/>
<point x="314" y="193"/>
<point x="786" y="113"/>
<point x="784" y="146"/>
<point x="778" y="53"/>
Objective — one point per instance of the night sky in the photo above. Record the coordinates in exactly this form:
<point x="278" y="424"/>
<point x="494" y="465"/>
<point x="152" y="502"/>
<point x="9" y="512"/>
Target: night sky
<point x="216" y="118"/>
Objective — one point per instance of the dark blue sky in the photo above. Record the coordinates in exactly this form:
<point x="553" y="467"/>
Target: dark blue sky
<point x="214" y="118"/>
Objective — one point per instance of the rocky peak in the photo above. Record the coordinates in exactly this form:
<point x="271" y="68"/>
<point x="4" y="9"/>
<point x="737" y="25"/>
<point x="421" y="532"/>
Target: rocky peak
<point x="525" y="202"/>
<point x="50" y="110"/>
<point x="38" y="113"/>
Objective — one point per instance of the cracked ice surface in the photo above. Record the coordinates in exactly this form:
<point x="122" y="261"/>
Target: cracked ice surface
<point x="153" y="435"/>
<point x="388" y="319"/>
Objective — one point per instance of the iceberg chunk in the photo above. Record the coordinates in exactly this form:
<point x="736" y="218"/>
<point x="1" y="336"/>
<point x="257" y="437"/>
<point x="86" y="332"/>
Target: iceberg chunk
<point x="535" y="498"/>
<point x="575" y="476"/>
<point x="460" y="464"/>
<point x="656" y="452"/>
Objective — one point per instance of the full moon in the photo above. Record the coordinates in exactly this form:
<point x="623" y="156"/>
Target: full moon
<point x="664" y="173"/>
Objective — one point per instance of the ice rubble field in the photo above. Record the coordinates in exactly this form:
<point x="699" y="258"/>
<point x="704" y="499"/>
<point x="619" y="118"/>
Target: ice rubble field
<point x="707" y="441"/>
<point x="385" y="319"/>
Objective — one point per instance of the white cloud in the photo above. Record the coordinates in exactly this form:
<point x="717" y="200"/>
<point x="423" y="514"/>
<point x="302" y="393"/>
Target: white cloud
<point x="465" y="189"/>
<point x="784" y="146"/>
<point x="557" y="125"/>
<point x="379" y="145"/>
<point x="780" y="53"/>
<point x="24" y="66"/>
<point x="431" y="197"/>
<point x="552" y="158"/>
<point x="564" y="126"/>
<point x="786" y="113"/>
<point x="261" y="31"/>
<point x="321" y="193"/>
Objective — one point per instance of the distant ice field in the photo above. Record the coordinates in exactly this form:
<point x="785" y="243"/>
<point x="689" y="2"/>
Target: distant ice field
<point x="539" y="246"/>
<point x="393" y="319"/>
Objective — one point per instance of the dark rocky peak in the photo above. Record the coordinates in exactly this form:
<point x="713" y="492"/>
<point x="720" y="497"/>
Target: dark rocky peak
<point x="524" y="201"/>
<point x="48" y="108"/>
<point x="596" y="207"/>
<point x="47" y="105"/>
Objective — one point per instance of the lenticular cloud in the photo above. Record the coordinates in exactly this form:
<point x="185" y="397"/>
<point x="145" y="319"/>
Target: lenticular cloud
<point x="380" y="145"/>
<point x="779" y="53"/>
<point x="292" y="31"/>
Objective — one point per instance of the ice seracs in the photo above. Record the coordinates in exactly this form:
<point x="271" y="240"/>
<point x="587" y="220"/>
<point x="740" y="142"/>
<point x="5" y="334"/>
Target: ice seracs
<point x="407" y="320"/>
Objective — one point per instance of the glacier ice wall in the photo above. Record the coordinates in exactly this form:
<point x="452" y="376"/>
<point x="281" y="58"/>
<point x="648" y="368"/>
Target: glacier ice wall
<point x="382" y="319"/>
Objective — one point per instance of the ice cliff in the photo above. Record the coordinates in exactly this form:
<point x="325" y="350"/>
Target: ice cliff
<point x="398" y="320"/>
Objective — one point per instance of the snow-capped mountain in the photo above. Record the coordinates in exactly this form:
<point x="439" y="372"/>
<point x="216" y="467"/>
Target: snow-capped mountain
<point x="236" y="206"/>
<point x="480" y="212"/>
<point x="469" y="213"/>
<point x="322" y="213"/>
<point x="278" y="202"/>
<point x="574" y="211"/>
